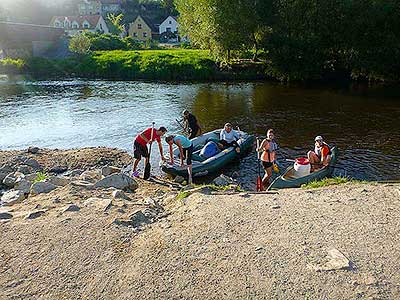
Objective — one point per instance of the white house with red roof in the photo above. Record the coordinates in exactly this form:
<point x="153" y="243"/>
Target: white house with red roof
<point x="74" y="25"/>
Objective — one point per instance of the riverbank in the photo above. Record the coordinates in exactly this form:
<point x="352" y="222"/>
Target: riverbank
<point x="174" y="65"/>
<point x="77" y="241"/>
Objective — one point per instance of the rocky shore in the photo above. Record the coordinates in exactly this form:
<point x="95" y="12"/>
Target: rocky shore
<point x="73" y="225"/>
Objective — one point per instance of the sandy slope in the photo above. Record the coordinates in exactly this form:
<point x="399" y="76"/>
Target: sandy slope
<point x="209" y="247"/>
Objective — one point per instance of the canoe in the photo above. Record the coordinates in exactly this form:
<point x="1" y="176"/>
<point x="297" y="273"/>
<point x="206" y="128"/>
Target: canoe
<point x="287" y="180"/>
<point x="202" y="166"/>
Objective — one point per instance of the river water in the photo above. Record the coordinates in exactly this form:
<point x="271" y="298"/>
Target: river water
<point x="364" y="122"/>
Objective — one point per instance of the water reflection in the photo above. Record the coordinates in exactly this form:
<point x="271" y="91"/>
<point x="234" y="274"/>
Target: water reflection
<point x="362" y="121"/>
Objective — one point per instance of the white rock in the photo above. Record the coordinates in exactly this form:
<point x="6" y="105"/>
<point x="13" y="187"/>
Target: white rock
<point x="108" y="170"/>
<point x="82" y="184"/>
<point x="117" y="194"/>
<point x="223" y="180"/>
<point x="91" y="176"/>
<point x="12" y="197"/>
<point x="11" y="178"/>
<point x="336" y="261"/>
<point x="118" y="181"/>
<point x="42" y="187"/>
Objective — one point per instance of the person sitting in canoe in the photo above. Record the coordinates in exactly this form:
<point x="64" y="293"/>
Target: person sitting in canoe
<point x="191" y="124"/>
<point x="148" y="136"/>
<point x="321" y="155"/>
<point x="229" y="137"/>
<point x="185" y="149"/>
<point x="268" y="148"/>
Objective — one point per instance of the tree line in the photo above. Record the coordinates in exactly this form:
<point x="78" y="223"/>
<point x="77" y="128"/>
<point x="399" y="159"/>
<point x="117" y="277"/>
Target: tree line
<point x="301" y="39"/>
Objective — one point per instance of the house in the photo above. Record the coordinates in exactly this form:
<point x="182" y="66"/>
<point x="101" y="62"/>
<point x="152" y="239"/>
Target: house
<point x="170" y="24"/>
<point x="78" y="24"/>
<point x="99" y="7"/>
<point x="142" y="29"/>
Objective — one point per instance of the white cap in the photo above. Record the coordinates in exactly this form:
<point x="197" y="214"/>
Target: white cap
<point x="319" y="138"/>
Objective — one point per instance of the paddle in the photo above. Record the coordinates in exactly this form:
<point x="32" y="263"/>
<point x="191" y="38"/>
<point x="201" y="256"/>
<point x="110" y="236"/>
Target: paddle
<point x="183" y="127"/>
<point x="259" y="183"/>
<point x="147" y="168"/>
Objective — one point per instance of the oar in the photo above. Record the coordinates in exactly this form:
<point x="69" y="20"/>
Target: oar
<point x="147" y="168"/>
<point x="259" y="183"/>
<point x="183" y="127"/>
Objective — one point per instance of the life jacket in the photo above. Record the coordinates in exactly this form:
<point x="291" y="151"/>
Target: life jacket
<point x="268" y="154"/>
<point x="318" y="150"/>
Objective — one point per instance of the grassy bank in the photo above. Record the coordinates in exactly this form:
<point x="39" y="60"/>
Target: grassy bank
<point x="129" y="65"/>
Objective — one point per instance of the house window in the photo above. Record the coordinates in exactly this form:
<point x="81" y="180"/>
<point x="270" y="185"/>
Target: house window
<point x="170" y="22"/>
<point x="57" y="24"/>
<point x="85" y="25"/>
<point x="139" y="26"/>
<point x="168" y="29"/>
<point x="135" y="34"/>
<point x="144" y="34"/>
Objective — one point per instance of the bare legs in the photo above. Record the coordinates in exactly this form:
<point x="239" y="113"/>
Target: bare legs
<point x="314" y="159"/>
<point x="267" y="176"/>
<point x="190" y="180"/>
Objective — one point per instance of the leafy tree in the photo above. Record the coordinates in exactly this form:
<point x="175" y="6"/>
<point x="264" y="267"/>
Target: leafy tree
<point x="80" y="44"/>
<point x="116" y="26"/>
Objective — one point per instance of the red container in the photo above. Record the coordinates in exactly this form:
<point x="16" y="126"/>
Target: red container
<point x="302" y="161"/>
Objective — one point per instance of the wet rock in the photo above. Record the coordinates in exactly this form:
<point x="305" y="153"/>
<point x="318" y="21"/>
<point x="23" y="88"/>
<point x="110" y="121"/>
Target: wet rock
<point x="42" y="187"/>
<point x="98" y="203"/>
<point x="118" y="194"/>
<point x="58" y="169"/>
<point x="34" y="214"/>
<point x="11" y="178"/>
<point x="223" y="180"/>
<point x="179" y="179"/>
<point x="12" y="197"/>
<point x="71" y="208"/>
<point x="5" y="216"/>
<point x="118" y="181"/>
<point x="58" y="180"/>
<point x="336" y="261"/>
<point x="137" y="219"/>
<point x="91" y="176"/>
<point x="23" y="185"/>
<point x="108" y="170"/>
<point x="24" y="169"/>
<point x="33" y="163"/>
<point x="82" y="184"/>
<point x="33" y="150"/>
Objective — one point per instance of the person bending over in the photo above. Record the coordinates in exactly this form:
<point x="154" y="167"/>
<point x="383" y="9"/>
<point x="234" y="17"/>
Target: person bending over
<point x="185" y="150"/>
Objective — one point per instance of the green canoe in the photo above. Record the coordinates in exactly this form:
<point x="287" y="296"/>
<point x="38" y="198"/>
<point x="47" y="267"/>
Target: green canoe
<point x="202" y="166"/>
<point x="287" y="180"/>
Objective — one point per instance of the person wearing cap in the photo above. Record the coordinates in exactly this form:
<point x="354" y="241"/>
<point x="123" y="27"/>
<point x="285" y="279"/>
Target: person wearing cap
<point x="140" y="150"/>
<point x="229" y="137"/>
<point x="321" y="155"/>
<point x="191" y="124"/>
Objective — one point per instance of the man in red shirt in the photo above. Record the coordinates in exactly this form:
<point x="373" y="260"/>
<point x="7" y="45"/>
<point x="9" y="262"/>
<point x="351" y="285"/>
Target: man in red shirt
<point x="140" y="146"/>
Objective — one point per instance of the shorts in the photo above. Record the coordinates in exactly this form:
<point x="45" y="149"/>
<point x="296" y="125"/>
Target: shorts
<point x="266" y="164"/>
<point x="227" y="145"/>
<point x="193" y="132"/>
<point x="188" y="153"/>
<point x="139" y="150"/>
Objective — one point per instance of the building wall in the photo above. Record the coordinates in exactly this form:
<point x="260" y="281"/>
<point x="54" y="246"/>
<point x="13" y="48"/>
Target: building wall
<point x="90" y="8"/>
<point x="111" y="8"/>
<point x="139" y="30"/>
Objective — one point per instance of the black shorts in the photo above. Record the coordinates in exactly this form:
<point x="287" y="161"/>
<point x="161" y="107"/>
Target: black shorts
<point x="266" y="164"/>
<point x="139" y="151"/>
<point x="193" y="132"/>
<point x="188" y="152"/>
<point x="227" y="145"/>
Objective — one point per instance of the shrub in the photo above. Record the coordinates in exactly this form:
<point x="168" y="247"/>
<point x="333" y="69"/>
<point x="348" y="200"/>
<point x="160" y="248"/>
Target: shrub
<point x="11" y="66"/>
<point x="80" y="44"/>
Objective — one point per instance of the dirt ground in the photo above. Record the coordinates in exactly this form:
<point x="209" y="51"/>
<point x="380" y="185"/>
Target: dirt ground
<point x="239" y="246"/>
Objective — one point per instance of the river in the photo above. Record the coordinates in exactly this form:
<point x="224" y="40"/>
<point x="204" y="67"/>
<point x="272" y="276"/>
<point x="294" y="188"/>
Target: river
<point x="364" y="122"/>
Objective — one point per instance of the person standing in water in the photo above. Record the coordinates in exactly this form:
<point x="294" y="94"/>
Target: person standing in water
<point x="185" y="150"/>
<point x="191" y="124"/>
<point x="268" y="148"/>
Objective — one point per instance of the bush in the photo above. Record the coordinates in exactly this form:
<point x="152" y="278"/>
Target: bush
<point x="80" y="44"/>
<point x="11" y="66"/>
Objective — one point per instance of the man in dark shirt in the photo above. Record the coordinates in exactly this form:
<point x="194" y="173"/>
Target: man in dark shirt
<point x="192" y="124"/>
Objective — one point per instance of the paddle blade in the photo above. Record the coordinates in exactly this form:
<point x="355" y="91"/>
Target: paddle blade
<point x="147" y="171"/>
<point x="259" y="184"/>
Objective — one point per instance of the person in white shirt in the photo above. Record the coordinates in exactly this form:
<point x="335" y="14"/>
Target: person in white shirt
<point x="229" y="137"/>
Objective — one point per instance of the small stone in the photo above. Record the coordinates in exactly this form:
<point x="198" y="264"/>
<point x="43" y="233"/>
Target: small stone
<point x="4" y="171"/>
<point x="33" y="163"/>
<point x="58" y="180"/>
<point x="276" y="206"/>
<point x="12" y="197"/>
<point x="42" y="187"/>
<point x="91" y="176"/>
<point x="108" y="170"/>
<point x="336" y="261"/>
<point x="71" y="208"/>
<point x="223" y="180"/>
<point x="118" y="181"/>
<point x="33" y="150"/>
<point x="137" y="219"/>
<point x="31" y="177"/>
<point x="5" y="216"/>
<point x="118" y="194"/>
<point x="56" y="200"/>
<point x="82" y="184"/>
<point x="179" y="179"/>
<point x="73" y="173"/>
<point x="11" y="178"/>
<point x="24" y="169"/>
<point x="34" y="214"/>
<point x="58" y="169"/>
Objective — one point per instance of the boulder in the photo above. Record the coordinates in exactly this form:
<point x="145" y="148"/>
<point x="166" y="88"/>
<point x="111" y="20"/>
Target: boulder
<point x="58" y="180"/>
<point x="108" y="170"/>
<point x="23" y="185"/>
<point x="5" y="216"/>
<point x="11" y="178"/>
<point x="117" y="194"/>
<point x="11" y="197"/>
<point x="4" y="171"/>
<point x="91" y="176"/>
<point x="42" y="187"/>
<point x="34" y="214"/>
<point x="33" y="163"/>
<point x="58" y="169"/>
<point x="223" y="180"/>
<point x="25" y="169"/>
<point x="82" y="184"/>
<point x="118" y="181"/>
<point x="33" y="150"/>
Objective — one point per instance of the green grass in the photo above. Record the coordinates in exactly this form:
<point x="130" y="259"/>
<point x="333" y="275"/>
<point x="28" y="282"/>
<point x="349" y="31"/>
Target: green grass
<point x="40" y="176"/>
<point x="186" y="193"/>
<point x="328" y="182"/>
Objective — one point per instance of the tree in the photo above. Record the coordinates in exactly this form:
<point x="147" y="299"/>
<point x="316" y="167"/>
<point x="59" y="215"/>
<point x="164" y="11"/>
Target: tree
<point x="116" y="23"/>
<point x="80" y="44"/>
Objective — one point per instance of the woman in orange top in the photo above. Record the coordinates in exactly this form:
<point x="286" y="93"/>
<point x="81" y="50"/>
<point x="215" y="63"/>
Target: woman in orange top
<point x="268" y="150"/>
<point x="321" y="155"/>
